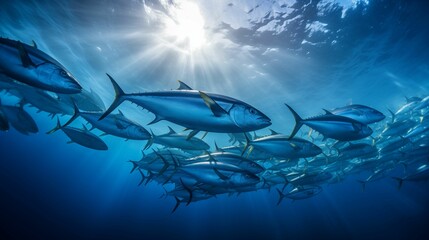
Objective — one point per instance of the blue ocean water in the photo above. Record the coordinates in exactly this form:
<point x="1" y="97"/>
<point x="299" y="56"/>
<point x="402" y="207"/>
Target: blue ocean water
<point x="309" y="54"/>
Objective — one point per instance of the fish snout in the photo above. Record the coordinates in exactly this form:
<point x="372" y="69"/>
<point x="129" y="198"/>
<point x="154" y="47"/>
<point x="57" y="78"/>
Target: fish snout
<point x="265" y="121"/>
<point x="73" y="86"/>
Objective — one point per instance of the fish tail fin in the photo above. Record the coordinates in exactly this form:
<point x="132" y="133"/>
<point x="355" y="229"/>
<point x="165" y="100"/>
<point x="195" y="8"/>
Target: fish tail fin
<point x="247" y="144"/>
<point x="281" y="196"/>
<point x="150" y="141"/>
<point x="119" y="97"/>
<point x="363" y="183"/>
<point x="135" y="165"/>
<point x="177" y="204"/>
<point x="188" y="190"/>
<point x="166" y="164"/>
<point x="298" y="121"/>
<point x="57" y="127"/>
<point x="76" y="114"/>
<point x="143" y="176"/>
<point x="400" y="181"/>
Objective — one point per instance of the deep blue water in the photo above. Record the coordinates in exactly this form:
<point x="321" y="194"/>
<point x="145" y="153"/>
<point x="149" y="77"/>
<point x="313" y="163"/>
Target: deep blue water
<point x="328" y="55"/>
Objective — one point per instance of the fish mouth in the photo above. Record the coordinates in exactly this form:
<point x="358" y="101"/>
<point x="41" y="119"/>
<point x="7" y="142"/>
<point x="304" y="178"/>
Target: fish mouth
<point x="265" y="121"/>
<point x="73" y="86"/>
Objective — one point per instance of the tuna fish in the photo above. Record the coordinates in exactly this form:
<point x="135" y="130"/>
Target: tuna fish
<point x="282" y="146"/>
<point x="227" y="158"/>
<point x="300" y="193"/>
<point x="27" y="64"/>
<point x="421" y="174"/>
<point x="175" y="140"/>
<point x="195" y="110"/>
<point x="83" y="137"/>
<point x="115" y="124"/>
<point x="332" y="126"/>
<point x="20" y="119"/>
<point x="360" y="113"/>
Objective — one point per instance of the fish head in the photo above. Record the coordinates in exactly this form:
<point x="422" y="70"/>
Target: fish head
<point x="249" y="118"/>
<point x="142" y="132"/>
<point x="57" y="79"/>
<point x="374" y="116"/>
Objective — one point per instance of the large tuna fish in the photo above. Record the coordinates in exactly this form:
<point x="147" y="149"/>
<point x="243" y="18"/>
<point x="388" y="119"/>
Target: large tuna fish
<point x="27" y="64"/>
<point x="195" y="110"/>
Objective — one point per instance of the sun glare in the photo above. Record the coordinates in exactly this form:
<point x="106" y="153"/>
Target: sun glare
<point x="186" y="25"/>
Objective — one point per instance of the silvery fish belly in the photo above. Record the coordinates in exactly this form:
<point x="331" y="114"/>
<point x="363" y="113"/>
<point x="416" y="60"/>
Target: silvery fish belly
<point x="29" y="65"/>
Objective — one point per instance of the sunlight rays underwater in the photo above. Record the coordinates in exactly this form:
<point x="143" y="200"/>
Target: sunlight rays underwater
<point x="219" y="47"/>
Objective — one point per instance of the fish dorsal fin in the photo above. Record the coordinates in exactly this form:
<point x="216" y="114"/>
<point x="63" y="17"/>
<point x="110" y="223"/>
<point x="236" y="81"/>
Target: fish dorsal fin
<point x="120" y="112"/>
<point x="273" y="132"/>
<point x="171" y="131"/>
<point x="216" y="109"/>
<point x="34" y="44"/>
<point x="218" y="149"/>
<point x="328" y="112"/>
<point x="25" y="59"/>
<point x="177" y="204"/>
<point x="183" y="86"/>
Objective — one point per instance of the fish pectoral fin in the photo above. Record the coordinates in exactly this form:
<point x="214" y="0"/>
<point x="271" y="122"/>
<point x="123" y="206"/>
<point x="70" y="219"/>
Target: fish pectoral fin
<point x="119" y="125"/>
<point x="220" y="175"/>
<point x="34" y="44"/>
<point x="216" y="109"/>
<point x="183" y="86"/>
<point x="25" y="59"/>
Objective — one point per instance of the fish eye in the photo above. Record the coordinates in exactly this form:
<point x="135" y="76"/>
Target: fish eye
<point x="63" y="73"/>
<point x="252" y="111"/>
